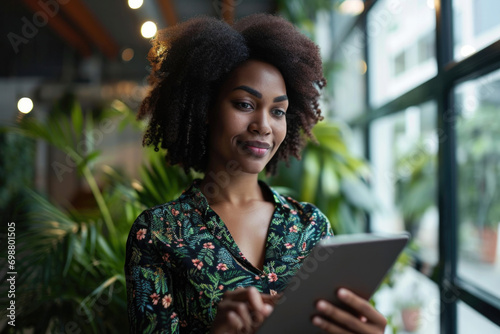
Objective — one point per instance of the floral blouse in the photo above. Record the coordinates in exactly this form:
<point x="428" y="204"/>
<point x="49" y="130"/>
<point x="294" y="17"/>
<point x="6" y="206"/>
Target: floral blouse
<point x="181" y="258"/>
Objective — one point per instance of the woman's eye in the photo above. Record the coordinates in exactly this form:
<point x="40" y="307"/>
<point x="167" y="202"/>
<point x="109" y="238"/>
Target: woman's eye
<point x="243" y="105"/>
<point x="278" y="112"/>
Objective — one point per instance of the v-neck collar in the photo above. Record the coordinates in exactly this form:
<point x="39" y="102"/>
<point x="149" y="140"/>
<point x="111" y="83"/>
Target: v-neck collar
<point x="219" y="230"/>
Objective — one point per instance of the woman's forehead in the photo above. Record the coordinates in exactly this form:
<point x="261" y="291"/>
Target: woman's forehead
<point x="256" y="75"/>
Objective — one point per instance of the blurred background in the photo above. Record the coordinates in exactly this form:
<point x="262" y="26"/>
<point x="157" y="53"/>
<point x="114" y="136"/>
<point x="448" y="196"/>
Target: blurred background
<point x="411" y="142"/>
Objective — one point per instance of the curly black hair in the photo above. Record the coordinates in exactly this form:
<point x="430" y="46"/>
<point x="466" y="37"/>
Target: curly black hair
<point x="191" y="60"/>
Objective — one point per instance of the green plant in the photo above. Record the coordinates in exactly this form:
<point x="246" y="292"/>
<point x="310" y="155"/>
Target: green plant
<point x="416" y="185"/>
<point x="16" y="151"/>
<point x="70" y="262"/>
<point x="331" y="178"/>
<point x="479" y="167"/>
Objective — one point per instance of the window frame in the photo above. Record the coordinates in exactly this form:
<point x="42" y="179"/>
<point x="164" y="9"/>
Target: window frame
<point x="440" y="89"/>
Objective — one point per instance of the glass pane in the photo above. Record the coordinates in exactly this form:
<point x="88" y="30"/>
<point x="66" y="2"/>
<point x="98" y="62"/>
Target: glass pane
<point x="403" y="156"/>
<point x="470" y="321"/>
<point x="343" y="16"/>
<point x="347" y="79"/>
<point x="411" y="304"/>
<point x="401" y="47"/>
<point x="476" y="25"/>
<point x="478" y="159"/>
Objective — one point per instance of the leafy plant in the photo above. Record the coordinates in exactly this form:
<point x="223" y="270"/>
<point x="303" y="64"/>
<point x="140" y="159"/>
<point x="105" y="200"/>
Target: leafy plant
<point x="331" y="178"/>
<point x="69" y="262"/>
<point x="416" y="185"/>
<point x="479" y="167"/>
<point x="16" y="151"/>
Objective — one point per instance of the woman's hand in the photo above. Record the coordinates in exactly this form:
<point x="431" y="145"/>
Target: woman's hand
<point x="242" y="311"/>
<point x="336" y="320"/>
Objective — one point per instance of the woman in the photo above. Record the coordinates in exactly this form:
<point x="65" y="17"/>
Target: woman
<point x="229" y="102"/>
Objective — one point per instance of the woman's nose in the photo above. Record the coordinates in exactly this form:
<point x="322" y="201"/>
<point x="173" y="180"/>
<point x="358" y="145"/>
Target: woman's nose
<point x="260" y="123"/>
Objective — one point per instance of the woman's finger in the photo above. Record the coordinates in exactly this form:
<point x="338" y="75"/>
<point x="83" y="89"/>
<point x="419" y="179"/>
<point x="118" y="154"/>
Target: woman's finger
<point x="255" y="300"/>
<point x="350" y="322"/>
<point x="361" y="306"/>
<point x="327" y="326"/>
<point x="234" y="323"/>
<point x="249" y="304"/>
<point x="271" y="299"/>
<point x="341" y="318"/>
<point x="240" y="309"/>
<point x="257" y="305"/>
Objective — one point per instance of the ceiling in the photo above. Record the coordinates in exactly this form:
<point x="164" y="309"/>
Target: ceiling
<point x="83" y="40"/>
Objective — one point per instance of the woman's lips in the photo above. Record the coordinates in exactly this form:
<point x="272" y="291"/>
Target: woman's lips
<point x="257" y="151"/>
<point x="256" y="148"/>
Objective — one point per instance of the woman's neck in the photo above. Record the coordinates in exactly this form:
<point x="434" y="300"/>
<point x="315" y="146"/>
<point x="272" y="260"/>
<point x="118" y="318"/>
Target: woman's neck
<point x="231" y="188"/>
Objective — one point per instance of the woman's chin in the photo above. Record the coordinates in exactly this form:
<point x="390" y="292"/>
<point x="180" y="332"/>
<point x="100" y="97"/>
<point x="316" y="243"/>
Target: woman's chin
<point x="253" y="167"/>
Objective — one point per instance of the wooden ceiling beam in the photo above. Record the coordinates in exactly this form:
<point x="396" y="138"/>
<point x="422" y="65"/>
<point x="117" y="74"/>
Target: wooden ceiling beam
<point x="61" y="27"/>
<point x="228" y="11"/>
<point x="168" y="11"/>
<point x="78" y="12"/>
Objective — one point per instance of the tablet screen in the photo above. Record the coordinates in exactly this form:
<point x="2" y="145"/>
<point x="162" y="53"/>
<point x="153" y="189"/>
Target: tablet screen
<point x="358" y="262"/>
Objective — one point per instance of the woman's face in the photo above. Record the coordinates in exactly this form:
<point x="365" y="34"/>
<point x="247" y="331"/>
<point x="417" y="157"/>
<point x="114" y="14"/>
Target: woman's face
<point x="248" y="123"/>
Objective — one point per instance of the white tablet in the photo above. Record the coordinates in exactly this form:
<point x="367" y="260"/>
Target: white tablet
<point x="358" y="262"/>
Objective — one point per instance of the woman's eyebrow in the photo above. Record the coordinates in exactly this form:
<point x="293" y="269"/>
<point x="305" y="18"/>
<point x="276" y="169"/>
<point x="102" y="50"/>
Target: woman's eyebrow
<point x="280" y="98"/>
<point x="259" y="95"/>
<point x="250" y="90"/>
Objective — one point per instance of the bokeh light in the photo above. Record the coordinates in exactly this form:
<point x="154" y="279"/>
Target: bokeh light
<point x="134" y="4"/>
<point x="148" y="29"/>
<point x="25" y="105"/>
<point x="467" y="50"/>
<point x="127" y="54"/>
<point x="352" y="7"/>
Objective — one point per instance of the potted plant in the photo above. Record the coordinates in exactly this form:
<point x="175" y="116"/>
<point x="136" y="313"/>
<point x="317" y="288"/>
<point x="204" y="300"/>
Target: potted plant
<point x="478" y="173"/>
<point x="410" y="306"/>
<point x="415" y="186"/>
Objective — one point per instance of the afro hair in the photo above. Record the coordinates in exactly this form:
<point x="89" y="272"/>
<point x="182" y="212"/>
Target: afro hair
<point x="191" y="60"/>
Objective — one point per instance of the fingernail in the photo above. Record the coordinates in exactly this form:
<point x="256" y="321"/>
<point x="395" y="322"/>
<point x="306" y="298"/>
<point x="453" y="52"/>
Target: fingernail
<point x="268" y="308"/>
<point x="321" y="305"/>
<point x="343" y="292"/>
<point x="317" y="321"/>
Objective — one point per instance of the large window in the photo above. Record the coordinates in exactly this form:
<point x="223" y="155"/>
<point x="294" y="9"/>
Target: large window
<point x="430" y="112"/>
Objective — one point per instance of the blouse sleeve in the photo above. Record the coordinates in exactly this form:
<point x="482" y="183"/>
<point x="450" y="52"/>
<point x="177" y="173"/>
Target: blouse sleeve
<point x="322" y="222"/>
<point x="328" y="227"/>
<point x="150" y="304"/>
